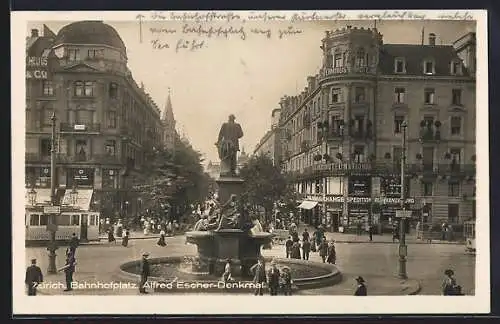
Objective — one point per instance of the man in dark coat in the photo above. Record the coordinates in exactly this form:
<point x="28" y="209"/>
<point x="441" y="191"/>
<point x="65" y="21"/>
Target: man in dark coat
<point x="144" y="273"/>
<point x="69" y="269"/>
<point x="288" y="246"/>
<point x="370" y="232"/>
<point x="361" y="288"/>
<point x="33" y="277"/>
<point x="74" y="243"/>
<point x="305" y="235"/>
<point x="273" y="279"/>
<point x="306" y="248"/>
<point x="259" y="276"/>
<point x="323" y="249"/>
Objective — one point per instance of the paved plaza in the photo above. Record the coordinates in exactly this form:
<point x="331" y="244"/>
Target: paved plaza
<point x="377" y="263"/>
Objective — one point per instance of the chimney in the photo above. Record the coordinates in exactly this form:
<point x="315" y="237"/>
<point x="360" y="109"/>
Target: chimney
<point x="34" y="33"/>
<point x="432" y="39"/>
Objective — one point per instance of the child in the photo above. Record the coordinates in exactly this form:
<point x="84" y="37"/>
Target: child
<point x="286" y="281"/>
<point x="288" y="246"/>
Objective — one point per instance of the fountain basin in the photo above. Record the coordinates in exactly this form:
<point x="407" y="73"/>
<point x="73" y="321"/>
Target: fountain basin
<point x="166" y="276"/>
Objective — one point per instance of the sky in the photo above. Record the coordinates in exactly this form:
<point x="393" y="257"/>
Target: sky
<point x="218" y="76"/>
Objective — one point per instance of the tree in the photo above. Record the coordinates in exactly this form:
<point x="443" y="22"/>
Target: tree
<point x="264" y="183"/>
<point x="172" y="178"/>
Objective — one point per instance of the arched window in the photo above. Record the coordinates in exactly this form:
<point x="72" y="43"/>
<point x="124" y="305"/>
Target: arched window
<point x="360" y="60"/>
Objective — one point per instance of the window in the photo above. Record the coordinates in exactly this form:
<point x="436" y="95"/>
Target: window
<point x="455" y="155"/>
<point x="427" y="189"/>
<point x="329" y="60"/>
<point x="109" y="179"/>
<point x="337" y="60"/>
<point x="456" y="125"/>
<point x="456" y="67"/>
<point x="110" y="147"/>
<point x="48" y="88"/>
<point x="84" y="88"/>
<point x="34" y="220"/>
<point x="336" y="95"/>
<point x="113" y="90"/>
<point x="63" y="220"/>
<point x="428" y="158"/>
<point x="359" y="153"/>
<point x="359" y="94"/>
<point x="360" y="58"/>
<point x="95" y="53"/>
<point x="399" y="65"/>
<point x="429" y="96"/>
<point x="75" y="220"/>
<point x="47" y="116"/>
<point x="45" y="147"/>
<point x="456" y="96"/>
<point x="93" y="220"/>
<point x="337" y="124"/>
<point x="429" y="67"/>
<point x="81" y="149"/>
<point x="453" y="189"/>
<point x="44" y="220"/>
<point x="398" y="121"/>
<point x="399" y="95"/>
<point x="452" y="213"/>
<point x="359" y="124"/>
<point x="111" y="119"/>
<point x="73" y="54"/>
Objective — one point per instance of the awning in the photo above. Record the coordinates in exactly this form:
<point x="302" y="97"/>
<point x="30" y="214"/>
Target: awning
<point x="308" y="204"/>
<point x="42" y="197"/>
<point x="83" y="198"/>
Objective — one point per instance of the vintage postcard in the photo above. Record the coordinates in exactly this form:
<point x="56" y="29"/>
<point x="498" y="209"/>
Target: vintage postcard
<point x="193" y="162"/>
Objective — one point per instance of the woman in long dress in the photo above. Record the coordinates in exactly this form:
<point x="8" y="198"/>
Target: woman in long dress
<point x="332" y="254"/>
<point x="111" y="236"/>
<point x="226" y="276"/>
<point x="161" y="240"/>
<point x="125" y="238"/>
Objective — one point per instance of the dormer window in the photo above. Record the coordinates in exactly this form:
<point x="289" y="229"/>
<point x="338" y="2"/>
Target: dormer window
<point x="429" y="67"/>
<point x="456" y="67"/>
<point x="73" y="54"/>
<point x="95" y="53"/>
<point x="399" y="65"/>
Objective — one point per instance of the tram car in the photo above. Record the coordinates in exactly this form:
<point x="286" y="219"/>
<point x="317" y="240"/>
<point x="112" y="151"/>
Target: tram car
<point x="470" y="236"/>
<point x="84" y="224"/>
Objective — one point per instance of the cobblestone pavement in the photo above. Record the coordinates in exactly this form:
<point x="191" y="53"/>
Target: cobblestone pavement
<point x="377" y="263"/>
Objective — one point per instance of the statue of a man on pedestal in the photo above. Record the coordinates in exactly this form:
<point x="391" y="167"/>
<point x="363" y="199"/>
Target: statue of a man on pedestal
<point x="228" y="146"/>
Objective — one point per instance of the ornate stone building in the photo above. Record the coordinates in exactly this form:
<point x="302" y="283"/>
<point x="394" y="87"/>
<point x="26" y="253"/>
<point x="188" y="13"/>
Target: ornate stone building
<point x="106" y="123"/>
<point x="270" y="144"/>
<point x="343" y="133"/>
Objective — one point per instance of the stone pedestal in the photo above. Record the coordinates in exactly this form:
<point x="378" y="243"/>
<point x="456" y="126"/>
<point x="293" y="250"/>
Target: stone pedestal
<point x="229" y="185"/>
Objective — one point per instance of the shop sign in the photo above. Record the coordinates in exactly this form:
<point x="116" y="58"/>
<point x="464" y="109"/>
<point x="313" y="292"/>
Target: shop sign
<point x="360" y="200"/>
<point x="343" y="166"/>
<point x="36" y="67"/>
<point x="80" y="174"/>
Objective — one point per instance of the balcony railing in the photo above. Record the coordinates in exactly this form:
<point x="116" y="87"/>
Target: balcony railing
<point x="79" y="128"/>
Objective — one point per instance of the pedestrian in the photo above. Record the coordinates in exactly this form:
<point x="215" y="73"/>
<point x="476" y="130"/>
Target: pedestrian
<point x="361" y="287"/>
<point x="144" y="273"/>
<point x="74" y="243"/>
<point x="450" y="286"/>
<point x="358" y="228"/>
<point x="33" y="277"/>
<point x="69" y="269"/>
<point x="259" y="276"/>
<point x="295" y="253"/>
<point x="305" y="235"/>
<point x="161" y="240"/>
<point x="226" y="276"/>
<point x="125" y="238"/>
<point x="323" y="249"/>
<point x="288" y="246"/>
<point x="273" y="279"/>
<point x="286" y="281"/>
<point x="444" y="228"/>
<point x="306" y="248"/>
<point x="111" y="236"/>
<point x="370" y="232"/>
<point x="332" y="254"/>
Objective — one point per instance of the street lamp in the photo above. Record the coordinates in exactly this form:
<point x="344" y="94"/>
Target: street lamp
<point x="32" y="196"/>
<point x="402" y="223"/>
<point x="52" y="227"/>
<point x="73" y="195"/>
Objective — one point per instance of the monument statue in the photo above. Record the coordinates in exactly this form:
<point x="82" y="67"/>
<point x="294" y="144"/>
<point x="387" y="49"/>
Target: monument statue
<point x="228" y="146"/>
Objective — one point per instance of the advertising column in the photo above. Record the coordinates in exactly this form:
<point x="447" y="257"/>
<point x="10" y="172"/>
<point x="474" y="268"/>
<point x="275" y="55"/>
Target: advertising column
<point x="359" y="203"/>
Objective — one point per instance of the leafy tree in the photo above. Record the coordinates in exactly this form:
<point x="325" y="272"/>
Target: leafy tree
<point x="265" y="184"/>
<point x="172" y="178"/>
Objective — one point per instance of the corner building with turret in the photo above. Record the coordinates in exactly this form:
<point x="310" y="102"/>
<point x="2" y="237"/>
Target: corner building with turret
<point x="342" y="135"/>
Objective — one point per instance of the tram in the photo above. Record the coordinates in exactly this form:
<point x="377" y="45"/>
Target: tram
<point x="84" y="224"/>
<point x="470" y="236"/>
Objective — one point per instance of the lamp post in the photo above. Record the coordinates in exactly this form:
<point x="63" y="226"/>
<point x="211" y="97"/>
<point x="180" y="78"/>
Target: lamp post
<point x="402" y="223"/>
<point x="53" y="216"/>
<point x="73" y="195"/>
<point x="324" y="133"/>
<point x="32" y="196"/>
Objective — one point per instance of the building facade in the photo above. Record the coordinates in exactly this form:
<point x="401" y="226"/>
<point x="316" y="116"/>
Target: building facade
<point x="106" y="123"/>
<point x="343" y="133"/>
<point x="270" y="144"/>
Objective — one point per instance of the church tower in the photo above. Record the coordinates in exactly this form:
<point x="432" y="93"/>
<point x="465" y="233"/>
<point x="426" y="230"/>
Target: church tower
<point x="168" y="122"/>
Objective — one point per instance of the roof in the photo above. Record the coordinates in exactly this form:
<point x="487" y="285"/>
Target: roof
<point x="415" y="55"/>
<point x="90" y="32"/>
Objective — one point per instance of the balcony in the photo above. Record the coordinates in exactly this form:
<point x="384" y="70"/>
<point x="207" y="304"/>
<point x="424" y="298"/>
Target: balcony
<point x="457" y="170"/>
<point x="430" y="136"/>
<point x="79" y="128"/>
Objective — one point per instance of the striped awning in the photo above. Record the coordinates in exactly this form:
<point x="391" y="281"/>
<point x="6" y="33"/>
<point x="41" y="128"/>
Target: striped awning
<point x="308" y="204"/>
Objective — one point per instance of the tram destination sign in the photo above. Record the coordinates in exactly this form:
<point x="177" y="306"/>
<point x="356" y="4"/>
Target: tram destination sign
<point x="403" y="213"/>
<point x="51" y="209"/>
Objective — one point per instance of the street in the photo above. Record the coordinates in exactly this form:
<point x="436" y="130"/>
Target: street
<point x="374" y="261"/>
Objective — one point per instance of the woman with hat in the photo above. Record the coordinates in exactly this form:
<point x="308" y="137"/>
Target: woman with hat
<point x="361" y="288"/>
<point x="332" y="254"/>
<point x="449" y="286"/>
